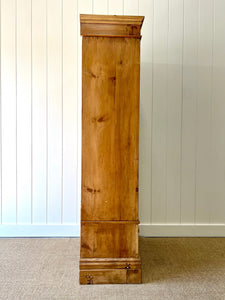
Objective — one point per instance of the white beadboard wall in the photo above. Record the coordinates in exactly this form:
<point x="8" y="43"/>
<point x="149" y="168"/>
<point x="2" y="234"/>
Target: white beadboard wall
<point x="182" y="116"/>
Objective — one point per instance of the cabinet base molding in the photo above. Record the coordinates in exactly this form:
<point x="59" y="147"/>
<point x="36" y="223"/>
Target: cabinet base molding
<point x="108" y="271"/>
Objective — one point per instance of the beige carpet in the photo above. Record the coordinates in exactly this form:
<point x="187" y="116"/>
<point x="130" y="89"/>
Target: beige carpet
<point x="173" y="268"/>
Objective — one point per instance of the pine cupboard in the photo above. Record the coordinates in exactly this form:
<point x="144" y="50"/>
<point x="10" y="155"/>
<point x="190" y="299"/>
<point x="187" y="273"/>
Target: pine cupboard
<point x="110" y="129"/>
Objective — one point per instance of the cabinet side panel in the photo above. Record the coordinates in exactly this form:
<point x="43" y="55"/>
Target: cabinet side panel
<point x="127" y="126"/>
<point x="111" y="68"/>
<point x="103" y="240"/>
<point x="98" y="130"/>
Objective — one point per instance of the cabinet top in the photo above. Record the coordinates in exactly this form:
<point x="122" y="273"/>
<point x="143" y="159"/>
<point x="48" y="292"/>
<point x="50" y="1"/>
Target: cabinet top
<point x="111" y="26"/>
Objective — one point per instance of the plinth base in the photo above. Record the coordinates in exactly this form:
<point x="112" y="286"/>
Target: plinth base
<point x="109" y="271"/>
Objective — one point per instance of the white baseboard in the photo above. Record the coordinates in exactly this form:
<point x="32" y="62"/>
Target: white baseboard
<point x="58" y="230"/>
<point x="182" y="230"/>
<point x="148" y="230"/>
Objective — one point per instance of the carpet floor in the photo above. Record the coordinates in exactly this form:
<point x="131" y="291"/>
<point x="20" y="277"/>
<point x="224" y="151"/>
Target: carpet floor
<point x="173" y="268"/>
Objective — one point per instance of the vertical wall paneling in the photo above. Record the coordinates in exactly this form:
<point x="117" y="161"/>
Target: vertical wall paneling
<point x="174" y="104"/>
<point x="69" y="111"/>
<point x="159" y="121"/>
<point x="116" y="7"/>
<point x="83" y="7"/>
<point x="39" y="111"/>
<point x="218" y="118"/>
<point x="54" y="65"/>
<point x="189" y="112"/>
<point x="182" y="115"/>
<point x="23" y="111"/>
<point x="131" y="7"/>
<point x="100" y="7"/>
<point x="146" y="9"/>
<point x="0" y="120"/>
<point x="8" y="98"/>
<point x="203" y="125"/>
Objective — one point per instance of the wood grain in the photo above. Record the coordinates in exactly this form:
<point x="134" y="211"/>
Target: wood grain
<point x="110" y="30"/>
<point x="108" y="240"/>
<point x="110" y="129"/>
<point x="103" y="276"/>
<point x="107" y="19"/>
<point x="102" y="25"/>
<point x="117" y="276"/>
<point x="110" y="136"/>
<point x="98" y="127"/>
<point x="109" y="263"/>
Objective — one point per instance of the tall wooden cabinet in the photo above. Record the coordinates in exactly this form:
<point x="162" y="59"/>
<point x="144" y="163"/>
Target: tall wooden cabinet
<point x="110" y="127"/>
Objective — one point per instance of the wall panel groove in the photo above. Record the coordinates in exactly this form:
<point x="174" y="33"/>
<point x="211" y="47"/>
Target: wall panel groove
<point x="0" y="115"/>
<point x="39" y="110"/>
<point x="145" y="133"/>
<point x="54" y="35"/>
<point x="23" y="107"/>
<point x="31" y="111"/>
<point x="62" y="100"/>
<point x="8" y="101"/>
